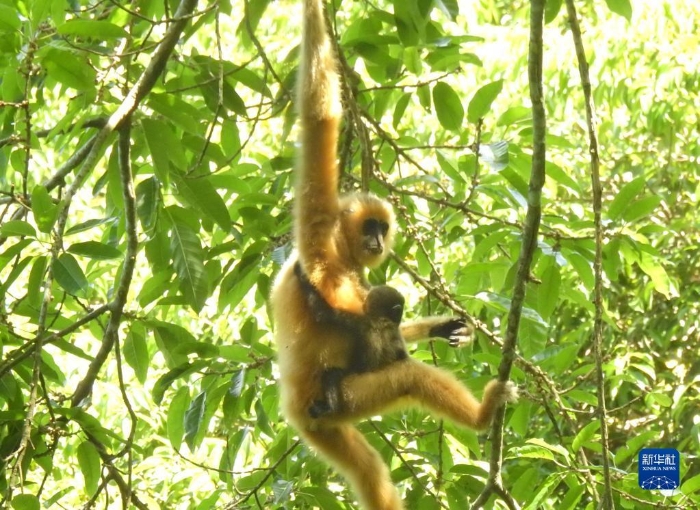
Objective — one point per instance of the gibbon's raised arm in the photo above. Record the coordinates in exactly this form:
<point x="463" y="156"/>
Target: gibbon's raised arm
<point x="320" y="109"/>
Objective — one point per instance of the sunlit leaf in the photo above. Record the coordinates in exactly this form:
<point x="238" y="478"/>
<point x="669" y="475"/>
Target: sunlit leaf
<point x="66" y="68"/>
<point x="624" y="197"/>
<point x="135" y="352"/>
<point x="69" y="274"/>
<point x="17" y="228"/>
<point x="480" y="105"/>
<point x="44" y="209"/>
<point x="89" y="461"/>
<point x="193" y="419"/>
<point x="95" y="250"/>
<point x="176" y="416"/>
<point x="199" y="192"/>
<point x="24" y="501"/>
<point x="93" y="29"/>
<point x="188" y="259"/>
<point x="448" y="106"/>
<point x="621" y="7"/>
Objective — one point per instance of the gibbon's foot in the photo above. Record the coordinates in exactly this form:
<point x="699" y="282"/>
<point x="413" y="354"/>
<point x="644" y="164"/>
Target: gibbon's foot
<point x="456" y="331"/>
<point x="319" y="408"/>
<point x="503" y="392"/>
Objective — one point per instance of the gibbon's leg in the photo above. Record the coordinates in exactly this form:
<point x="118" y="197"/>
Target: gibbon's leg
<point x="453" y="329"/>
<point x="407" y="382"/>
<point x="346" y="448"/>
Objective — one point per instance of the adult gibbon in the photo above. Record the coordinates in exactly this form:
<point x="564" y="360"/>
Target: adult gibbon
<point x="336" y="238"/>
<point x="375" y="336"/>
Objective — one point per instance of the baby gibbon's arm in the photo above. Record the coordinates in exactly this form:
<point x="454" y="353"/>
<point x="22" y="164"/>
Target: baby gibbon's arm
<point x="453" y="329"/>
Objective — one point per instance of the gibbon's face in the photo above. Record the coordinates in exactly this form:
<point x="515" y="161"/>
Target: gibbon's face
<point x="367" y="225"/>
<point x="374" y="232"/>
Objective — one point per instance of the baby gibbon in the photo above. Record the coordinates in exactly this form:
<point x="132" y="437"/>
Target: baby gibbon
<point x="375" y="336"/>
<point x="336" y="238"/>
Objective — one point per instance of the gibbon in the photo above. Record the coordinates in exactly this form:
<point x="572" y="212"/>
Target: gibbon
<point x="336" y="238"/>
<point x="375" y="336"/>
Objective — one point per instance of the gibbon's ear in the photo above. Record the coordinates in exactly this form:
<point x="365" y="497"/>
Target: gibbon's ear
<point x="367" y="227"/>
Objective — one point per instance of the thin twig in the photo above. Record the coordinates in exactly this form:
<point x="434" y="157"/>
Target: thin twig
<point x="606" y="501"/>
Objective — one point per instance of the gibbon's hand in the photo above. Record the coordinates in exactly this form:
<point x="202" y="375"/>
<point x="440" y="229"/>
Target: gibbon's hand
<point x="455" y="330"/>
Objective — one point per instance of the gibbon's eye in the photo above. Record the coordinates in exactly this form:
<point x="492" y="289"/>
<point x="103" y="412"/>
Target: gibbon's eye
<point x="375" y="227"/>
<point x="373" y="232"/>
<point x="396" y="313"/>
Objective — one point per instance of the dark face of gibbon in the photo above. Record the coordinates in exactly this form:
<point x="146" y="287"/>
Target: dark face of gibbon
<point x="374" y="233"/>
<point x="367" y="227"/>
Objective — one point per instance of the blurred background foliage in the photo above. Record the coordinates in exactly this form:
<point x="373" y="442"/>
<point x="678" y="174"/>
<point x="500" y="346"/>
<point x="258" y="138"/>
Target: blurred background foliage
<point x="181" y="411"/>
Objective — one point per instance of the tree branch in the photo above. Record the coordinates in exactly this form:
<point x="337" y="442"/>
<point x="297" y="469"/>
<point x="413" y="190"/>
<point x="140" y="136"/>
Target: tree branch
<point x="529" y="244"/>
<point x="606" y="501"/>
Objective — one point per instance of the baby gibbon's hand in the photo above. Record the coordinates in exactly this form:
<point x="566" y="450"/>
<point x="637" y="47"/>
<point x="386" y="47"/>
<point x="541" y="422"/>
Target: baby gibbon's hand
<point x="456" y="330"/>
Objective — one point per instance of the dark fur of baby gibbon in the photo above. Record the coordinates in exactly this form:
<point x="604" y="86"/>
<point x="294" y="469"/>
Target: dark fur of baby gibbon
<point x="336" y="238"/>
<point x="375" y="336"/>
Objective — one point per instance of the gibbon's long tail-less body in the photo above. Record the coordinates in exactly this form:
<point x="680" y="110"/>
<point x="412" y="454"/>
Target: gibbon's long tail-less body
<point x="336" y="238"/>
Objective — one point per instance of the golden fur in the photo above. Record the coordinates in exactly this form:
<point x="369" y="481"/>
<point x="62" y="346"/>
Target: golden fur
<point x="328" y="234"/>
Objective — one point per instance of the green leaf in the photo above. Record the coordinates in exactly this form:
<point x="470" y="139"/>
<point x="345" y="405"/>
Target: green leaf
<point x="181" y="113"/>
<point x="135" y="352"/>
<point x="200" y="193"/>
<point x="548" y="291"/>
<point x="641" y="208"/>
<point x="660" y="398"/>
<point x="35" y="282"/>
<point x="24" y="501"/>
<point x="95" y="250"/>
<point x="90" y="466"/>
<point x="9" y="21"/>
<point x="157" y="140"/>
<point x="69" y="274"/>
<point x="166" y="380"/>
<point x="585" y="435"/>
<point x="88" y="225"/>
<point x="624" y="197"/>
<point x="400" y="108"/>
<point x="448" y="106"/>
<point x="515" y="115"/>
<point x="176" y="417"/>
<point x="583" y="396"/>
<point x="691" y="485"/>
<point x="193" y="419"/>
<point x="582" y="267"/>
<point x="480" y="105"/>
<point x="17" y="228"/>
<point x="659" y="278"/>
<point x="148" y="200"/>
<point x="43" y="208"/>
<point x="93" y="29"/>
<point x="558" y="174"/>
<point x="551" y="9"/>
<point x="66" y="68"/>
<point x="621" y="7"/>
<point x="449" y="7"/>
<point x="188" y="259"/>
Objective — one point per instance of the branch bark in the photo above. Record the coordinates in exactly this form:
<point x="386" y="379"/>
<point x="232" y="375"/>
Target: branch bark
<point x="606" y="501"/>
<point x="529" y="244"/>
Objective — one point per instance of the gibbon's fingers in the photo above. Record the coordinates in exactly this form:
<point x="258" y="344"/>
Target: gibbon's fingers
<point x="345" y="448"/>
<point x="411" y="382"/>
<point x="461" y="338"/>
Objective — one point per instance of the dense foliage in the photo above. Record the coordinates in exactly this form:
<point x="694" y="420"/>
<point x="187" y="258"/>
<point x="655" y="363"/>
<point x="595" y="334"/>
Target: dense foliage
<point x="146" y="158"/>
